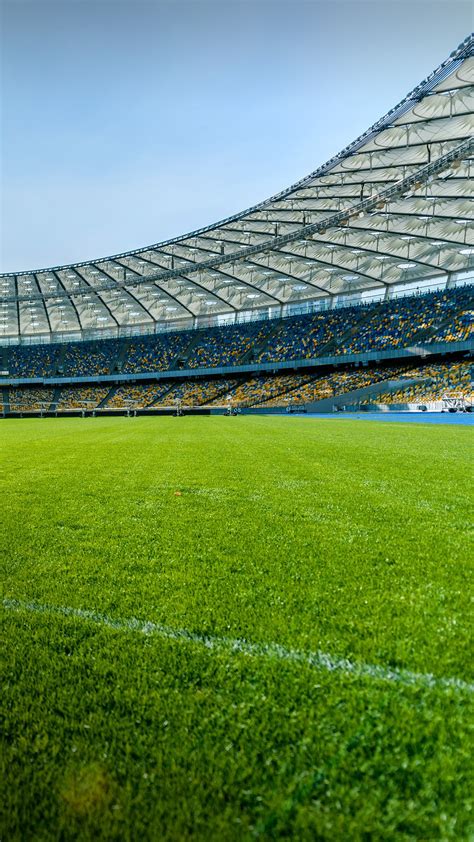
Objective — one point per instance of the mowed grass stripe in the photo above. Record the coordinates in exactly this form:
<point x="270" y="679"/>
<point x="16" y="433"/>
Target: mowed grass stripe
<point x="319" y="660"/>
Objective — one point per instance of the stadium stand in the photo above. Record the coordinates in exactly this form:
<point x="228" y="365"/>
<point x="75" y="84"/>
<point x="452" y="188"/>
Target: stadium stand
<point x="307" y="337"/>
<point x="24" y="399"/>
<point x="327" y="386"/>
<point x="390" y="324"/>
<point x="81" y="397"/>
<point x="395" y="324"/>
<point x="439" y="381"/>
<point x="262" y="390"/>
<point x="155" y="353"/>
<point x="33" y="360"/>
<point x="458" y="329"/>
<point x="136" y="395"/>
<point x="434" y="317"/>
<point x="197" y="393"/>
<point x="226" y="346"/>
<point x="257" y="390"/>
<point x="88" y="358"/>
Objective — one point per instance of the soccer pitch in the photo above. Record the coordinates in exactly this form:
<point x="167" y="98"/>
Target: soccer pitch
<point x="278" y="651"/>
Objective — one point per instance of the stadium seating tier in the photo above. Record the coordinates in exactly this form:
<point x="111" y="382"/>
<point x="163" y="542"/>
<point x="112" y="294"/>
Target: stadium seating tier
<point x="446" y="316"/>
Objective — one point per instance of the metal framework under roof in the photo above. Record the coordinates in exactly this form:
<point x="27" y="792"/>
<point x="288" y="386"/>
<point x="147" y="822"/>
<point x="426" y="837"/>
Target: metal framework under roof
<point x="393" y="207"/>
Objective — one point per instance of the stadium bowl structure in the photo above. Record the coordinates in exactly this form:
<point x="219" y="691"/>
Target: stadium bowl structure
<point x="255" y="628"/>
<point x="393" y="208"/>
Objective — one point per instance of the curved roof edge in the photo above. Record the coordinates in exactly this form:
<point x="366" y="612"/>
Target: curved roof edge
<point x="463" y="51"/>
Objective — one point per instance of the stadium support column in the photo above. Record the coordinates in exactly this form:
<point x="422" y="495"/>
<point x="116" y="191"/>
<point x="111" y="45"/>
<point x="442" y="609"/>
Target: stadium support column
<point x="450" y="282"/>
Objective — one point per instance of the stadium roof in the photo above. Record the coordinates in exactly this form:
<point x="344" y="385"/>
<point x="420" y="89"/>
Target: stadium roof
<point x="394" y="206"/>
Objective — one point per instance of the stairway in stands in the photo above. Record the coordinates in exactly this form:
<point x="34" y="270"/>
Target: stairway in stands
<point x="423" y="336"/>
<point x="60" y="364"/>
<point x="181" y="359"/>
<point x="167" y="388"/>
<point x="54" y="403"/>
<point x="4" y="364"/>
<point x="341" y="339"/>
<point x="117" y="365"/>
<point x="222" y="392"/>
<point x="103" y="403"/>
<point x="255" y="350"/>
<point x="5" y="399"/>
<point x="284" y="393"/>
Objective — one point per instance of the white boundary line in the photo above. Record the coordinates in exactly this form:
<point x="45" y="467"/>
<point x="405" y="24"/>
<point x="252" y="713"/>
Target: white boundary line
<point x="319" y="660"/>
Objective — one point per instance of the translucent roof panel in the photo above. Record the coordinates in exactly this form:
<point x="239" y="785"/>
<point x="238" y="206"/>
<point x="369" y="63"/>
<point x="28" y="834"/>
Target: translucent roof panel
<point x="394" y="206"/>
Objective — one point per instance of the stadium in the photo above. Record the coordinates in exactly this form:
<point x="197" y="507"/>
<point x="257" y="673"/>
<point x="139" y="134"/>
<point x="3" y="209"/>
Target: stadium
<point x="350" y="287"/>
<point x="250" y="626"/>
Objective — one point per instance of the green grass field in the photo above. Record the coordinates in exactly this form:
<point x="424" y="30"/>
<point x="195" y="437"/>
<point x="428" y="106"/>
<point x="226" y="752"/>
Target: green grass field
<point x="348" y="540"/>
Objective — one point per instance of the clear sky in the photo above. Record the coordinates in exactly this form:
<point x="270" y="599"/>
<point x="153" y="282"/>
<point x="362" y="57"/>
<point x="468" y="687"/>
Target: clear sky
<point x="124" y="122"/>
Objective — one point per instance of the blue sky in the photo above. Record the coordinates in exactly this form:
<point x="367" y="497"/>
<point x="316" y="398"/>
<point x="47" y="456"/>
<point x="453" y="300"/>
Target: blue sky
<point x="124" y="123"/>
